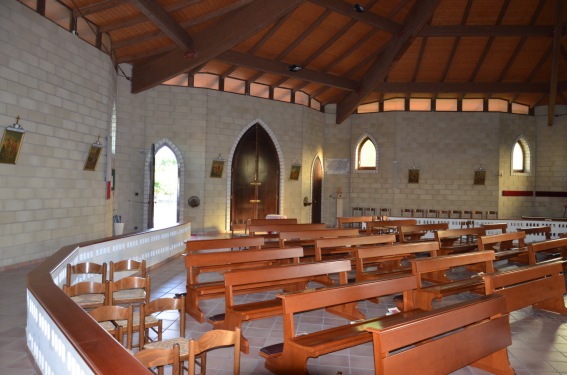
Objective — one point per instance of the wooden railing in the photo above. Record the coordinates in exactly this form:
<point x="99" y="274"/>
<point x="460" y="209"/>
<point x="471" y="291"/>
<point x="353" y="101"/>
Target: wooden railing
<point x="59" y="333"/>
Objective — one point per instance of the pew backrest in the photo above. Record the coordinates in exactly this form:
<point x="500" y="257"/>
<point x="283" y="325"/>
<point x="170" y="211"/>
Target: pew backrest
<point x="350" y="243"/>
<point x="385" y="252"/>
<point x="225" y="243"/>
<point x="505" y="240"/>
<point x="559" y="245"/>
<point x="312" y="235"/>
<point x="408" y="233"/>
<point x="479" y="324"/>
<point x="495" y="228"/>
<point x="541" y="231"/>
<point x="387" y="225"/>
<point x="356" y="221"/>
<point x="272" y="228"/>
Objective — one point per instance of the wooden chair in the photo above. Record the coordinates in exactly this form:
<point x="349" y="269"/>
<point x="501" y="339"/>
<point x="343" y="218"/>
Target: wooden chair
<point x="455" y="214"/>
<point x="88" y="294"/>
<point x="369" y="211"/>
<point x="357" y="211"/>
<point x="477" y="214"/>
<point x="466" y="214"/>
<point x="106" y="317"/>
<point x="385" y="212"/>
<point x="128" y="290"/>
<point x="127" y="265"/>
<point x="492" y="214"/>
<point x="159" y="358"/>
<point x="85" y="268"/>
<point x="406" y="211"/>
<point x="432" y="213"/>
<point x="419" y="212"/>
<point x="210" y="340"/>
<point x="145" y="318"/>
<point x="444" y="214"/>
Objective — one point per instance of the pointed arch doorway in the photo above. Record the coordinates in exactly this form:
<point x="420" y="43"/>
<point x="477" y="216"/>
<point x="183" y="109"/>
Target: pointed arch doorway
<point x="255" y="177"/>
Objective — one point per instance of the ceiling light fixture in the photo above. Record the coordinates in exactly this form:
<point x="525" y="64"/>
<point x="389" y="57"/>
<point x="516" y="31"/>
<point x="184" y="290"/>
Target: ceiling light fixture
<point x="358" y="8"/>
<point x="294" y="68"/>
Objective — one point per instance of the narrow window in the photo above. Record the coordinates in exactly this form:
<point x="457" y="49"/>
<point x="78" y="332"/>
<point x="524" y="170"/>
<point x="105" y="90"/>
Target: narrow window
<point x="518" y="158"/>
<point x="366" y="155"/>
<point x="113" y="129"/>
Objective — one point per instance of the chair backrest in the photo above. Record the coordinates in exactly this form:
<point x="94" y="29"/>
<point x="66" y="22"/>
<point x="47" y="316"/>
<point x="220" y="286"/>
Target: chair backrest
<point x="211" y="340"/>
<point x="112" y="313"/>
<point x="135" y="289"/>
<point x="158" y="357"/>
<point x="160" y="305"/>
<point x="86" y="268"/>
<point x="127" y="265"/>
<point x="86" y="293"/>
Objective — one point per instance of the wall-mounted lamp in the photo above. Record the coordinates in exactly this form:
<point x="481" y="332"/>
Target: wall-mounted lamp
<point x="294" y="68"/>
<point x="358" y="8"/>
<point x="306" y="202"/>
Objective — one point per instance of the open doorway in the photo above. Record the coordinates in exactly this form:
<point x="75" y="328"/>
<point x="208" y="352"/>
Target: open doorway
<point x="166" y="188"/>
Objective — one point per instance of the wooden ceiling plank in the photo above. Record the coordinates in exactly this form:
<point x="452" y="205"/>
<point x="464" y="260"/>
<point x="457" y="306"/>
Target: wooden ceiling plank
<point x="486" y="31"/>
<point x="328" y="43"/>
<point x="280" y="68"/>
<point x="419" y="15"/>
<point x="148" y="37"/>
<point x="372" y="19"/>
<point x="269" y="34"/>
<point x="488" y="45"/>
<point x="217" y="13"/>
<point x="166" y="23"/>
<point x="304" y="34"/>
<point x="98" y="7"/>
<point x="557" y="34"/>
<point x="212" y="41"/>
<point x="456" y="44"/>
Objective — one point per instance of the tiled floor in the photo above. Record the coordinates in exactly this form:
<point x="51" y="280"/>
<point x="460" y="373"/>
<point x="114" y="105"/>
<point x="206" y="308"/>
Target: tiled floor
<point x="539" y="338"/>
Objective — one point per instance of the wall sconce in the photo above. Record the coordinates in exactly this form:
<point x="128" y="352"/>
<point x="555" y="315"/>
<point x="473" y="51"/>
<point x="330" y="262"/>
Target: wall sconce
<point x="11" y="143"/>
<point x="306" y="202"/>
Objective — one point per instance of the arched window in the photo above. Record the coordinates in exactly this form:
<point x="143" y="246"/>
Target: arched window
<point x="521" y="157"/>
<point x="366" y="154"/>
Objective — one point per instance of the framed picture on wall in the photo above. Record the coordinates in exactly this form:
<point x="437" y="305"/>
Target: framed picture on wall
<point x="92" y="157"/>
<point x="295" y="170"/>
<point x="11" y="144"/>
<point x="217" y="168"/>
<point x="479" y="177"/>
<point x="413" y="176"/>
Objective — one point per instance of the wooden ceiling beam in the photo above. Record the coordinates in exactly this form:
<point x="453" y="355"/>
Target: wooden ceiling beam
<point x="280" y="68"/>
<point x="98" y="7"/>
<point x="419" y="15"/>
<point x="141" y="18"/>
<point x="367" y="17"/>
<point x="167" y="24"/>
<point x="485" y="31"/>
<point x="557" y="34"/>
<point x="212" y="41"/>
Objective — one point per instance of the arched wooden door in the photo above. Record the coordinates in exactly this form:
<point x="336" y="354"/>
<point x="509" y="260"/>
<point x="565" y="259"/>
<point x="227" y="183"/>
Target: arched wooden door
<point x="316" y="191"/>
<point x="255" y="177"/>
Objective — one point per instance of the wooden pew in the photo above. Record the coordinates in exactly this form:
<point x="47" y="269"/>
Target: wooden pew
<point x="542" y="286"/>
<point x="340" y="245"/>
<point x="372" y="255"/>
<point x="224" y="243"/>
<point x="415" y="233"/>
<point x="250" y="222"/>
<point x="475" y="333"/>
<point x="424" y="295"/>
<point x="296" y="275"/>
<point x="495" y="228"/>
<point x="505" y="245"/>
<point x="273" y="228"/>
<point x="354" y="222"/>
<point x="542" y="231"/>
<point x="453" y="241"/>
<point x="308" y="237"/>
<point x="291" y="357"/>
<point x="557" y="246"/>
<point x="387" y="226"/>
<point x="223" y="261"/>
